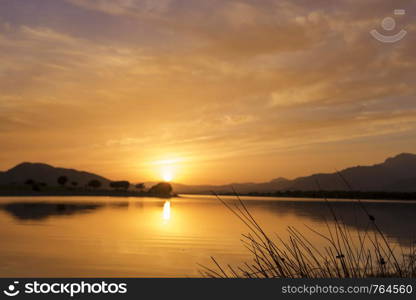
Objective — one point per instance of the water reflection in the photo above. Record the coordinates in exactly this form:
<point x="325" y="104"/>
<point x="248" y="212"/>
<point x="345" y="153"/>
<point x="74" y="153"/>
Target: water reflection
<point x="396" y="219"/>
<point x="166" y="211"/>
<point x="130" y="237"/>
<point x="39" y="211"/>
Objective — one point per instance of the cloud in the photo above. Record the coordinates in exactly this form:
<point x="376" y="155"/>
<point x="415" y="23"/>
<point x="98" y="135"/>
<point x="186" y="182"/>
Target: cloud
<point x="125" y="7"/>
<point x="213" y="80"/>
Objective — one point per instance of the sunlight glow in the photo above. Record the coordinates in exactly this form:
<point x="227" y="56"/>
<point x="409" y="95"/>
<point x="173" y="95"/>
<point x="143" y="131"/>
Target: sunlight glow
<point x="167" y="173"/>
<point x="168" y="161"/>
<point x="166" y="211"/>
<point x="167" y="167"/>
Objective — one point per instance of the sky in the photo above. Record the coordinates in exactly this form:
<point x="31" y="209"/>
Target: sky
<point x="205" y="91"/>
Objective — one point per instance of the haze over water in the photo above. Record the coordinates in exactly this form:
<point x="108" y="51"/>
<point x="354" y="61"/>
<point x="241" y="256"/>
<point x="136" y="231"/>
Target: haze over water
<point x="116" y="237"/>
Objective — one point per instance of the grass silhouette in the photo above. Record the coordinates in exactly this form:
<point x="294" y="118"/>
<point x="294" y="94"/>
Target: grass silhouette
<point x="370" y="254"/>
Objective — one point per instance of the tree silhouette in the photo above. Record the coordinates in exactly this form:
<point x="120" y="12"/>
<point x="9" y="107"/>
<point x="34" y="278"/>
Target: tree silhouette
<point x="123" y="185"/>
<point x="163" y="189"/>
<point x="94" y="183"/>
<point x="62" y="180"/>
<point x="30" y="182"/>
<point x="140" y="187"/>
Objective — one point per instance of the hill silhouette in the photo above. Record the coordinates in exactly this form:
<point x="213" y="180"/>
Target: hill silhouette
<point x="40" y="172"/>
<point x="395" y="174"/>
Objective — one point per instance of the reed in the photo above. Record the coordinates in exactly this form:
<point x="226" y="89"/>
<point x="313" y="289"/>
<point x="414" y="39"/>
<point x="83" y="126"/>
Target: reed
<point x="369" y="254"/>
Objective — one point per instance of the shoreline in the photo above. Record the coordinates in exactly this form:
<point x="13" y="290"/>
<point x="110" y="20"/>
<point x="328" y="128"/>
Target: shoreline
<point x="120" y="194"/>
<point x="330" y="195"/>
<point x="380" y="196"/>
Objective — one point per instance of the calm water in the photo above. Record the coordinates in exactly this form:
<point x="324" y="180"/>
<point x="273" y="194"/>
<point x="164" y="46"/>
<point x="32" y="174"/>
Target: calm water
<point x="112" y="237"/>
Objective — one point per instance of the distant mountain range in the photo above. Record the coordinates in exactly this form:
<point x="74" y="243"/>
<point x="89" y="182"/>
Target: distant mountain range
<point x="396" y="174"/>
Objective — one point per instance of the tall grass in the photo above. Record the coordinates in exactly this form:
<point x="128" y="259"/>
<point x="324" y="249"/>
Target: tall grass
<point x="347" y="253"/>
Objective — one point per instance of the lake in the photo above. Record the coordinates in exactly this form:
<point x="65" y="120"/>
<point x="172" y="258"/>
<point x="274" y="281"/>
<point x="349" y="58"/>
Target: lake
<point x="150" y="237"/>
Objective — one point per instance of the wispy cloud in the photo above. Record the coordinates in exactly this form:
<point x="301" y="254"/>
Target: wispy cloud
<point x="213" y="80"/>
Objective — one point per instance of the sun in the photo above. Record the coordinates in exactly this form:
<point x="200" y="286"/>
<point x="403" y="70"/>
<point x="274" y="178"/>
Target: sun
<point x="167" y="169"/>
<point x="167" y="176"/>
<point x="167" y="173"/>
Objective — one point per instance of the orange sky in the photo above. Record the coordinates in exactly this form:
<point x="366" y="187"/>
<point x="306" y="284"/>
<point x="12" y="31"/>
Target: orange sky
<point x="209" y="91"/>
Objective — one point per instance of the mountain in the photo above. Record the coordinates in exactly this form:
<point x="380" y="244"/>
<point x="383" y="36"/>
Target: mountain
<point x="396" y="174"/>
<point x="271" y="186"/>
<point x="45" y="173"/>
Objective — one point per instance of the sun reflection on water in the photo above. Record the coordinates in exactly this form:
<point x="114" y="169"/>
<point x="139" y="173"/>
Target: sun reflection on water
<point x="166" y="211"/>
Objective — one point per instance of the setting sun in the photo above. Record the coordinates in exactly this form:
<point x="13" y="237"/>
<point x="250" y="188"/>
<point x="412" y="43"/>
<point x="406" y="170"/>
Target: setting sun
<point x="167" y="168"/>
<point x="167" y="172"/>
<point x="167" y="175"/>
